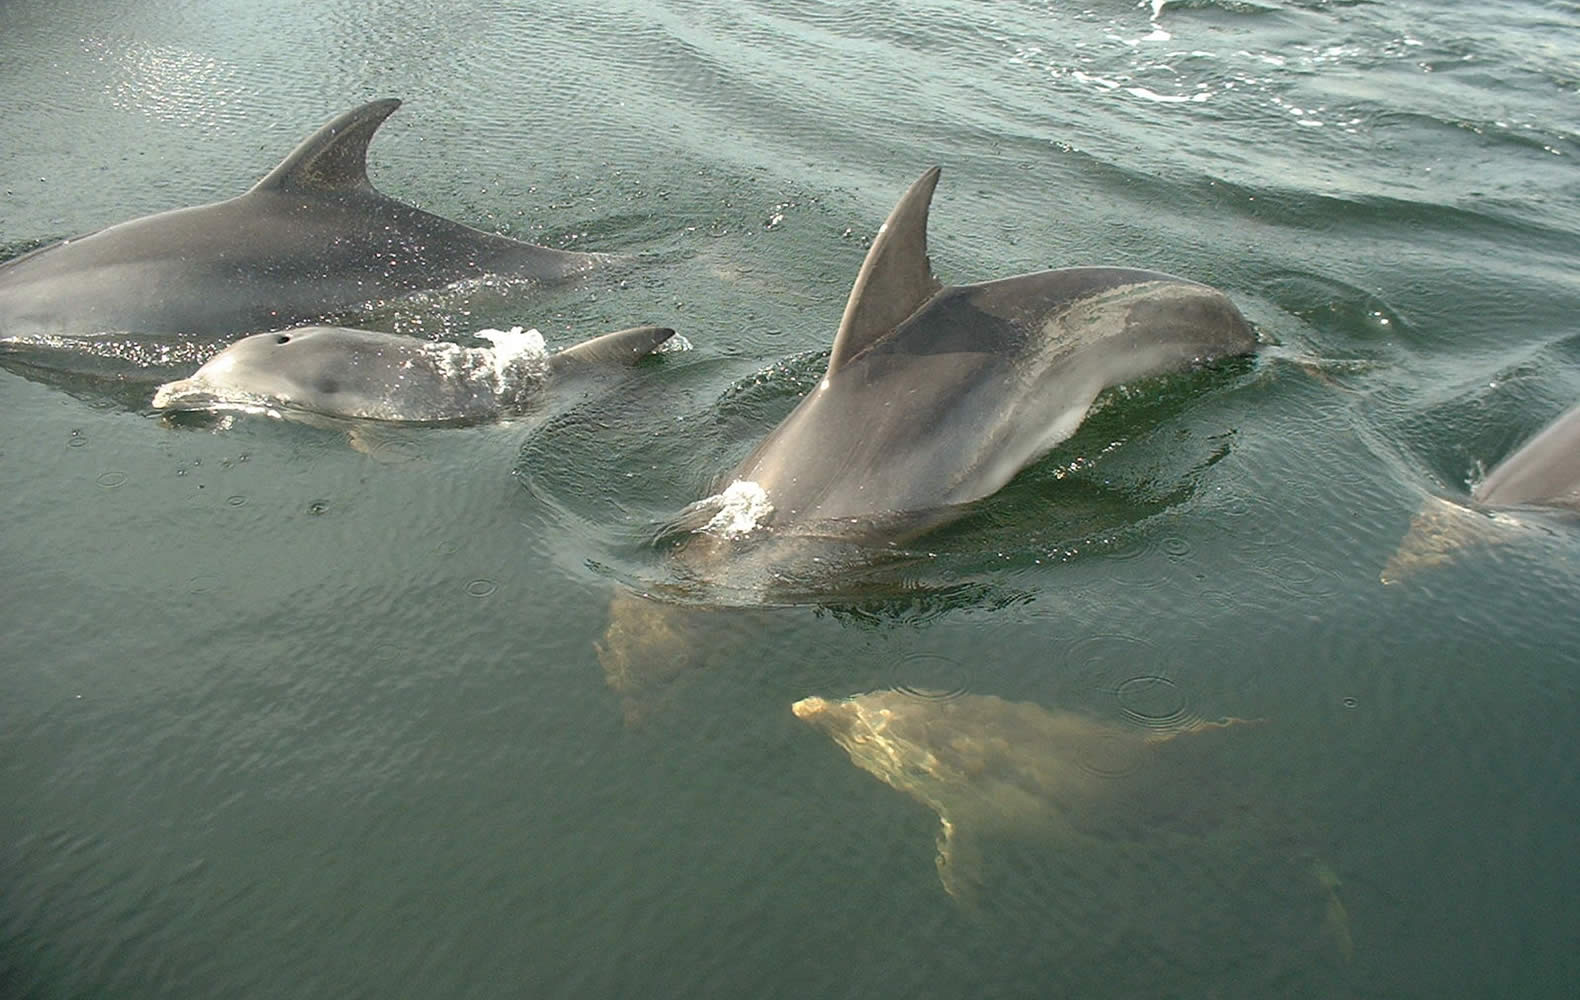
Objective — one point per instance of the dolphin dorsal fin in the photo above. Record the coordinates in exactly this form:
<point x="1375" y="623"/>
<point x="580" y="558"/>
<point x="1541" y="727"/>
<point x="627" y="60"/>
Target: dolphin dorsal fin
<point x="623" y="347"/>
<point x="335" y="158"/>
<point x="895" y="279"/>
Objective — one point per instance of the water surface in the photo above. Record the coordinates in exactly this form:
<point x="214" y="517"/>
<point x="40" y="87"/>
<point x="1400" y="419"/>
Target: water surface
<point x="284" y="716"/>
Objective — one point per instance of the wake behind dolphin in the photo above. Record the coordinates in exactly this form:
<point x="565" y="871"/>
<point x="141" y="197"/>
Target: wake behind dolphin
<point x="934" y="397"/>
<point x="309" y="242"/>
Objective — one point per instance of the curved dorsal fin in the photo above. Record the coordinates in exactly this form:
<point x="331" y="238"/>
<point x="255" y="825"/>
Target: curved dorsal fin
<point x="335" y="158"/>
<point x="895" y="279"/>
<point x="623" y="347"/>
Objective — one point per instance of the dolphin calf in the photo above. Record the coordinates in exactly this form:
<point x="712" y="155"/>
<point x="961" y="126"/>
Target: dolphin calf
<point x="1544" y="472"/>
<point x="310" y="241"/>
<point x="934" y="397"/>
<point x="362" y="374"/>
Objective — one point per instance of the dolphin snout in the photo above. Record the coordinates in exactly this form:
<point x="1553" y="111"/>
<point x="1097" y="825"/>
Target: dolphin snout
<point x="808" y="709"/>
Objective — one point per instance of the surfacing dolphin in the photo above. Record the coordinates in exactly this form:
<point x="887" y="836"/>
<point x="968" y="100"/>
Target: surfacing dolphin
<point x="1543" y="473"/>
<point x="311" y="241"/>
<point x="366" y="375"/>
<point x="934" y="397"/>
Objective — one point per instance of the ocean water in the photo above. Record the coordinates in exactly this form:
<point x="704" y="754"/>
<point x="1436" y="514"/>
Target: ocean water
<point x="291" y="712"/>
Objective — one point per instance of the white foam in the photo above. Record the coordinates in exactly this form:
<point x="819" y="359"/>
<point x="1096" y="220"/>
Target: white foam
<point x="514" y="365"/>
<point x="742" y="506"/>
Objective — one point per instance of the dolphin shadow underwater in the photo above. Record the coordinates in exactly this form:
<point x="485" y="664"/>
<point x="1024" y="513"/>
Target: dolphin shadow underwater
<point x="338" y="372"/>
<point x="310" y="242"/>
<point x="934" y="397"/>
<point x="1540" y="476"/>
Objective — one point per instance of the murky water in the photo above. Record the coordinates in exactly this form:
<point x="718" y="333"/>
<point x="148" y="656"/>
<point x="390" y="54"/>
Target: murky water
<point x="290" y="714"/>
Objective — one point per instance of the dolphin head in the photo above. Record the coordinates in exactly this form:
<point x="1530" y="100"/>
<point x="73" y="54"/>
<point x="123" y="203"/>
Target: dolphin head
<point x="329" y="370"/>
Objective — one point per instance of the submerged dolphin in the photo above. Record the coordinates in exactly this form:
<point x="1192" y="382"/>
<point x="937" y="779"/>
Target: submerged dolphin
<point x="310" y="241"/>
<point x="990" y="767"/>
<point x="998" y="771"/>
<point x="1542" y="472"/>
<point x="362" y="374"/>
<point x="934" y="397"/>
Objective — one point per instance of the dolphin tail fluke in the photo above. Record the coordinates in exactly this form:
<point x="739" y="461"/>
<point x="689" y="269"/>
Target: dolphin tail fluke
<point x="623" y="347"/>
<point x="1437" y="532"/>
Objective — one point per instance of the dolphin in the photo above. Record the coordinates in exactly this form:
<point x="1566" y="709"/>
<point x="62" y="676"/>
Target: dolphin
<point x="998" y="772"/>
<point x="934" y="397"/>
<point x="310" y="241"/>
<point x="362" y="374"/>
<point x="1543" y="473"/>
<point x="993" y="768"/>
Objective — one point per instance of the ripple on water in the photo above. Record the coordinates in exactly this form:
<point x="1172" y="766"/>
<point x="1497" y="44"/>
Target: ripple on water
<point x="1113" y="754"/>
<point x="111" y="480"/>
<point x="1132" y="551"/>
<point x="1152" y="700"/>
<point x="929" y="676"/>
<point x="1299" y="577"/>
<point x="481" y="587"/>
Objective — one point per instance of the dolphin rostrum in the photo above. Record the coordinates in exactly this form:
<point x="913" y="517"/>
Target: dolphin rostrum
<point x="934" y="397"/>
<point x="362" y="374"/>
<point x="310" y="241"/>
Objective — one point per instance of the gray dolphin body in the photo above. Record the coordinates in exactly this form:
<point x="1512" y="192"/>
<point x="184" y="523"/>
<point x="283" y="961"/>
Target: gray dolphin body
<point x="1543" y="472"/>
<point x="937" y="396"/>
<point x="934" y="397"/>
<point x="366" y="375"/>
<point x="308" y="242"/>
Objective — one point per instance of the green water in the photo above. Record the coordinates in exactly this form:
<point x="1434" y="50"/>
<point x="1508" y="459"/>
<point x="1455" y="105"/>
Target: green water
<point x="286" y="717"/>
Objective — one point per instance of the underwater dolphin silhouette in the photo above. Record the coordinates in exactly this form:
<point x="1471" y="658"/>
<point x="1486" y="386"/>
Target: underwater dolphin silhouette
<point x="367" y="375"/>
<point x="308" y="242"/>
<point x="934" y="397"/>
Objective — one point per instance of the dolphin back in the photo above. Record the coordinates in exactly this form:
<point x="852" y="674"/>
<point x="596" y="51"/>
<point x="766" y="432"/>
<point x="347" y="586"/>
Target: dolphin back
<point x="980" y="382"/>
<point x="1545" y="470"/>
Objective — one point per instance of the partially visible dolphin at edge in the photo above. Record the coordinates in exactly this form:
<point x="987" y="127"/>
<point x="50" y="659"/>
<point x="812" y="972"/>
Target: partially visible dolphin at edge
<point x="367" y="375"/>
<point x="309" y="242"/>
<point x="934" y="397"/>
<point x="1544" y="472"/>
